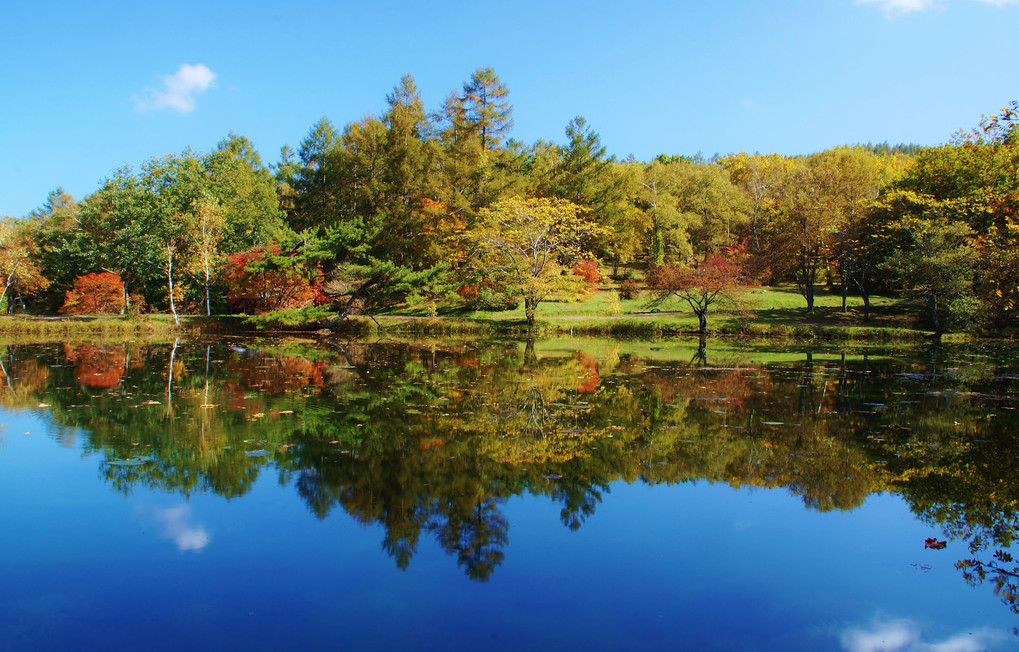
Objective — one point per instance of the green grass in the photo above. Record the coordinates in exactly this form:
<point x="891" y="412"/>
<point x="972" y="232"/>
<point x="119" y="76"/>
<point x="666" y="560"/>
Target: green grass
<point x="765" y="313"/>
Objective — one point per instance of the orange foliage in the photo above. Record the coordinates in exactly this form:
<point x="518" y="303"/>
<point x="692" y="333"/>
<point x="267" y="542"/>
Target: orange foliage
<point x="276" y="375"/>
<point x="99" y="367"/>
<point x="588" y="270"/>
<point x="93" y="294"/>
<point x="589" y="363"/>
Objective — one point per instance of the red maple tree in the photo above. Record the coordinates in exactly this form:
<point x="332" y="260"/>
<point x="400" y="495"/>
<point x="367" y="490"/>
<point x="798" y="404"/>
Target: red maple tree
<point x="262" y="280"/>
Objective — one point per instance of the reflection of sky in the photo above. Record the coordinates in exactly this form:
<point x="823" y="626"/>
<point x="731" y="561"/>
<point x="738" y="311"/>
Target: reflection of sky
<point x="689" y="566"/>
<point x="905" y="636"/>
<point x="177" y="527"/>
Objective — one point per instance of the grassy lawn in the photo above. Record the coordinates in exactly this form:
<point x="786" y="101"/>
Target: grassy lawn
<point x="761" y="310"/>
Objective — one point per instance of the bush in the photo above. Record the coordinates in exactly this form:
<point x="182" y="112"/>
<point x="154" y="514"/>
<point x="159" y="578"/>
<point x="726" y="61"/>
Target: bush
<point x="629" y="289"/>
<point x="588" y="270"/>
<point x="612" y="306"/>
<point x="305" y="318"/>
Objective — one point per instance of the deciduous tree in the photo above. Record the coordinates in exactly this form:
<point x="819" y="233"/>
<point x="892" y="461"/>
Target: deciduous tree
<point x="94" y="294"/>
<point x="936" y="265"/>
<point x="530" y="245"/>
<point x="714" y="279"/>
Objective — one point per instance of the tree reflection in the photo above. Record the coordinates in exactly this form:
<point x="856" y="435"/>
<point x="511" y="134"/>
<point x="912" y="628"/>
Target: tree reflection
<point x="433" y="438"/>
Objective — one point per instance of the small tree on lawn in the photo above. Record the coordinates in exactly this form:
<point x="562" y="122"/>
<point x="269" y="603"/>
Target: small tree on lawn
<point x="94" y="294"/>
<point x="713" y="280"/>
<point x="529" y="247"/>
<point x="587" y="269"/>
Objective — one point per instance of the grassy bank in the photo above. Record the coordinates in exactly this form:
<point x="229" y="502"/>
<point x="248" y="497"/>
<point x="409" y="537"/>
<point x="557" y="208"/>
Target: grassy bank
<point x="772" y="313"/>
<point x="114" y="328"/>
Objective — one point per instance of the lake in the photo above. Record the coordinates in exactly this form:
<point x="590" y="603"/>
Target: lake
<point x="561" y="494"/>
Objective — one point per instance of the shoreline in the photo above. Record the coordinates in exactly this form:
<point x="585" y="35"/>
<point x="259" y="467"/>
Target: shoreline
<point x="633" y="326"/>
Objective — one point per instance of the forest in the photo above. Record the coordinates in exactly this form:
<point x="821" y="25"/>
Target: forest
<point x="445" y="211"/>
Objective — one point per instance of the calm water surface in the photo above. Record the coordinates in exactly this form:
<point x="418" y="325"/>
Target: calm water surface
<point x="553" y="495"/>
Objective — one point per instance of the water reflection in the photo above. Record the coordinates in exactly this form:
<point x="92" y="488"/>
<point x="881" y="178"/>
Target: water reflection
<point x="176" y="524"/>
<point x="905" y="635"/>
<point x="432" y="439"/>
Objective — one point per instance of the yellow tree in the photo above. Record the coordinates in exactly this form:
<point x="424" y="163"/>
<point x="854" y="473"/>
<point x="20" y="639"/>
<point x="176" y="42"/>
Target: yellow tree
<point x="18" y="271"/>
<point x="528" y="246"/>
<point x="209" y="228"/>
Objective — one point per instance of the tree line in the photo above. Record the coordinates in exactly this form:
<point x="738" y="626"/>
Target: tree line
<point x="446" y="209"/>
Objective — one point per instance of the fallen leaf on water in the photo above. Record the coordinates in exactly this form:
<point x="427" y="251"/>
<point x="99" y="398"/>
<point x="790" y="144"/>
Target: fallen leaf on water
<point x="934" y="544"/>
<point x="43" y="405"/>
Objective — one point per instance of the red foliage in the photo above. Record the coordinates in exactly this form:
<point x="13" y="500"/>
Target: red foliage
<point x="468" y="291"/>
<point x="715" y="278"/>
<point x="629" y="289"/>
<point x="590" y="364"/>
<point x="93" y="294"/>
<point x="713" y="274"/>
<point x="99" y="367"/>
<point x="588" y="270"/>
<point x="258" y="288"/>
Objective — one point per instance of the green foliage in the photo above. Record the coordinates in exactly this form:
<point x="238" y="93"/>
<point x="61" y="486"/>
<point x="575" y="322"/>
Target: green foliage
<point x="396" y="209"/>
<point x="936" y="266"/>
<point x="304" y="318"/>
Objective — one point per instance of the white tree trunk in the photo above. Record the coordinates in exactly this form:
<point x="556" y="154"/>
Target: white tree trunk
<point x="169" y="280"/>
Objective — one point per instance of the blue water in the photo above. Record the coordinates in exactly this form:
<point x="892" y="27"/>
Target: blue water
<point x="692" y="566"/>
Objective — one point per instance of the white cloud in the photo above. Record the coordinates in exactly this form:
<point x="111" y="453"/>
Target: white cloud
<point x="900" y="7"/>
<point x="905" y="636"/>
<point x="176" y="526"/>
<point x="178" y="90"/>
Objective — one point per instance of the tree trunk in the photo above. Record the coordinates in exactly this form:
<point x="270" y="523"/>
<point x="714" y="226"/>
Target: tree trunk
<point x="169" y="281"/>
<point x="208" y="305"/>
<point x="702" y="322"/>
<point x="6" y="287"/>
<point x="939" y="324"/>
<point x="806" y="277"/>
<point x="700" y="358"/>
<point x="530" y="306"/>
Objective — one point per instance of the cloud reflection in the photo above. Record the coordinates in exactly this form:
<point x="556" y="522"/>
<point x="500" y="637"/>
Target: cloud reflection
<point x="177" y="527"/>
<point x="905" y="636"/>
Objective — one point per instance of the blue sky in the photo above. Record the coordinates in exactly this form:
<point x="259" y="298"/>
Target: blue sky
<point x="90" y="86"/>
